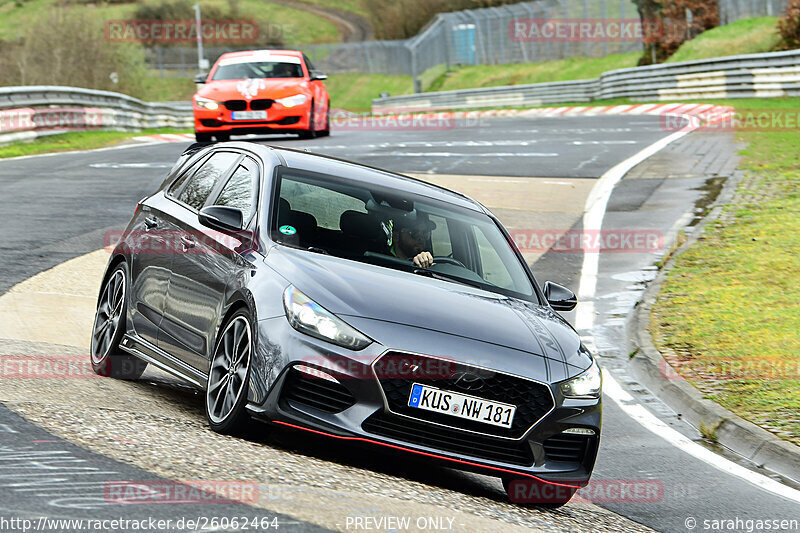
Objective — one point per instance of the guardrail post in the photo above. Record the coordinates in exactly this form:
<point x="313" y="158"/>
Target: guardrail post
<point x="414" y="72"/>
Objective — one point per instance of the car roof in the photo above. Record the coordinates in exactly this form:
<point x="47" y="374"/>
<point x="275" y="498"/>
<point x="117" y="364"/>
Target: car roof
<point x="249" y="53"/>
<point x="304" y="160"/>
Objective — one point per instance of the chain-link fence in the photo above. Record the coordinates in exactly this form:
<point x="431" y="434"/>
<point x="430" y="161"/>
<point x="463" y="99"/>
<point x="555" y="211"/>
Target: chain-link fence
<point x="543" y="30"/>
<point x="733" y="10"/>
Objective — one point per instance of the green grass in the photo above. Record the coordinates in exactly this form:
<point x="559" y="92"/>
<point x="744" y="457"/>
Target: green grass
<point x="353" y="6"/>
<point x="78" y="140"/>
<point x="576" y="68"/>
<point x="728" y="314"/>
<point x="156" y="89"/>
<point x="298" y="26"/>
<point x="355" y="92"/>
<point x="748" y="36"/>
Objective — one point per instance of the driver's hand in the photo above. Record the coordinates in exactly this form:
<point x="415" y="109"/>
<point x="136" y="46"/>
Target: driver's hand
<point x="423" y="259"/>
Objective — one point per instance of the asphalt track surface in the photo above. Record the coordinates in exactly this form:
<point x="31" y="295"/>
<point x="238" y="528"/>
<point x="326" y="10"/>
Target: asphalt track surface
<point x="58" y="207"/>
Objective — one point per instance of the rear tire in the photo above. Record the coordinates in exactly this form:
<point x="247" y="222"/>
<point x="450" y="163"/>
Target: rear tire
<point x="528" y="492"/>
<point x="110" y="326"/>
<point x="327" y="131"/>
<point x="229" y="376"/>
<point x="202" y="137"/>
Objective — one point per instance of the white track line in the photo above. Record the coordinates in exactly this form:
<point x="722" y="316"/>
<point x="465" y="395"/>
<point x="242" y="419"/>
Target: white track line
<point x="106" y="149"/>
<point x="649" y="421"/>
<point x="595" y="209"/>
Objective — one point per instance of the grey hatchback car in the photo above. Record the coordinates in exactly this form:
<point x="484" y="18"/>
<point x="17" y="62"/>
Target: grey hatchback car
<point x="289" y="287"/>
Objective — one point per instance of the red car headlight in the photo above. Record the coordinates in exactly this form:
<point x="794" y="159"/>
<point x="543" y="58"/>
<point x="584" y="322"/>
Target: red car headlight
<point x="206" y="103"/>
<point x="292" y="101"/>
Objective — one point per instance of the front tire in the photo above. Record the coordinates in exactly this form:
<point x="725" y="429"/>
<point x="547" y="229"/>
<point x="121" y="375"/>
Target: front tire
<point x="311" y="132"/>
<point x="202" y="137"/>
<point x="229" y="376"/>
<point x="110" y="326"/>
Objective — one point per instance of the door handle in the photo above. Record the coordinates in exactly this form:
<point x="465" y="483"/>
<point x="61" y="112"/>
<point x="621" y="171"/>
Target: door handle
<point x="187" y="242"/>
<point x="150" y="222"/>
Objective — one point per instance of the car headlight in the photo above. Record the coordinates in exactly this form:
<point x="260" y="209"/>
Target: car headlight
<point x="309" y="317"/>
<point x="586" y="385"/>
<point x="291" y="101"/>
<point x="205" y="103"/>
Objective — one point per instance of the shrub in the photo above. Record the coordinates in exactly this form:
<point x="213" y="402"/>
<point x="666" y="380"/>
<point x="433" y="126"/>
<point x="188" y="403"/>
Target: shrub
<point x="68" y="47"/>
<point x="789" y="26"/>
<point x="676" y="27"/>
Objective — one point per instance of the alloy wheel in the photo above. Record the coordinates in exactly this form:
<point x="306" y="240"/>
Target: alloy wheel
<point x="227" y="378"/>
<point x="107" y="320"/>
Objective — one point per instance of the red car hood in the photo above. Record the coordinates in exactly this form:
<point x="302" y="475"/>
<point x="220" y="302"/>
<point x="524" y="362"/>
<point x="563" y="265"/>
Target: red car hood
<point x="254" y="88"/>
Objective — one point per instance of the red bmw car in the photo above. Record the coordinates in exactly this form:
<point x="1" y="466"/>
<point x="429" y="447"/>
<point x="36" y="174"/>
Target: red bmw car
<point x="261" y="91"/>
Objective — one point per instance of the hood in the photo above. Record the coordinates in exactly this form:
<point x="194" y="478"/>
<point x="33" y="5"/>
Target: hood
<point x="255" y="88"/>
<point x="352" y="289"/>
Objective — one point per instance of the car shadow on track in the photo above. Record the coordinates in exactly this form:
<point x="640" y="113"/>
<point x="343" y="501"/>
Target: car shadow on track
<point x="353" y="455"/>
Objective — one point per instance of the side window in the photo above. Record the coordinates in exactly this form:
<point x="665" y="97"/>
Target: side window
<point x="325" y="205"/>
<point x="309" y="66"/>
<point x="202" y="182"/>
<point x="440" y="237"/>
<point x="185" y="175"/>
<point x="240" y="191"/>
<point x="494" y="270"/>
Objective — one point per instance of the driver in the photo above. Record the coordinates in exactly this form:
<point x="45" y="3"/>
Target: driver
<point x="411" y="236"/>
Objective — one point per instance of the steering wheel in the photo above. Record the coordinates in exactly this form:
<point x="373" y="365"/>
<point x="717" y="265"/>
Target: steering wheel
<point x="449" y="260"/>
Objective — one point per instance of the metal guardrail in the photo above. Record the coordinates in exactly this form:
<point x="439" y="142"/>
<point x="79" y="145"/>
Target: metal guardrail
<point x="747" y="76"/>
<point x="27" y="112"/>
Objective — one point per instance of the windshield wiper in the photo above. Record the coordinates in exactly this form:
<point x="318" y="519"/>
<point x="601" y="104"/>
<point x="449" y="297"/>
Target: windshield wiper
<point x="317" y="250"/>
<point x="446" y="277"/>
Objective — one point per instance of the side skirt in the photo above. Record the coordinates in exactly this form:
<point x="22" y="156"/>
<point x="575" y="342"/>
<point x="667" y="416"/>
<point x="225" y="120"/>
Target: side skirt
<point x="162" y="360"/>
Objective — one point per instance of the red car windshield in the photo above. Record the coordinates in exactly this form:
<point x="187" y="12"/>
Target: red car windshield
<point x="258" y="69"/>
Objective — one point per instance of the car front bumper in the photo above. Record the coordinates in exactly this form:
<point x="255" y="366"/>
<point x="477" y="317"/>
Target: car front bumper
<point x="354" y="407"/>
<point x="284" y="119"/>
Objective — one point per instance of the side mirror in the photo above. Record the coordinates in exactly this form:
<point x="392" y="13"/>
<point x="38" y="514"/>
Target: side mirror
<point x="201" y="78"/>
<point x="222" y="218"/>
<point x="560" y="298"/>
<point x="321" y="76"/>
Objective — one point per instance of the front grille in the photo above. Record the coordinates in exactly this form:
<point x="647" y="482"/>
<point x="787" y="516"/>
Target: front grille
<point x="260" y="105"/>
<point x="316" y="392"/>
<point x="396" y="376"/>
<point x="568" y="448"/>
<point x="449" y="440"/>
<point x="236" y="105"/>
<point x="210" y="122"/>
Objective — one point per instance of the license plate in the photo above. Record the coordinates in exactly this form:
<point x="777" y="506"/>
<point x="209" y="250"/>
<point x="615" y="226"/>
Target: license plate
<point x="461" y="405"/>
<point x="249" y="115"/>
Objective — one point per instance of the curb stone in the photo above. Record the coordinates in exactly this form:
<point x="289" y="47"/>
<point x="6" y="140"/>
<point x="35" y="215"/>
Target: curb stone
<point x="733" y="432"/>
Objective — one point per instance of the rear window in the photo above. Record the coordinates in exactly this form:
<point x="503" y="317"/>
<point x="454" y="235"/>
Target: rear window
<point x="194" y="187"/>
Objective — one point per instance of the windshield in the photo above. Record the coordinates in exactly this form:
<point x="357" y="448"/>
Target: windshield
<point x="389" y="228"/>
<point x="258" y="69"/>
